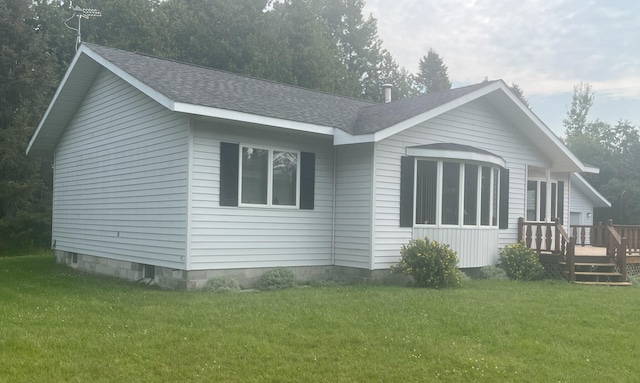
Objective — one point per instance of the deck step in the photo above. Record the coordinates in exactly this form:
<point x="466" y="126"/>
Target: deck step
<point x="603" y="283"/>
<point x="563" y="263"/>
<point x="599" y="273"/>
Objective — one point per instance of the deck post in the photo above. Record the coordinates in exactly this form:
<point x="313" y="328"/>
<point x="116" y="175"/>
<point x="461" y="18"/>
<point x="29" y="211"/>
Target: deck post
<point x="571" y="260"/>
<point x="520" y="229"/>
<point x="622" y="255"/>
<point x="557" y="238"/>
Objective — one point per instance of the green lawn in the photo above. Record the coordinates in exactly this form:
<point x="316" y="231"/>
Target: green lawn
<point x="59" y="325"/>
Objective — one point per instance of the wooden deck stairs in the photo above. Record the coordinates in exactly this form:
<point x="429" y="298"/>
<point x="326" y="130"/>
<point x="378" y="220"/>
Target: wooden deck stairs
<point x="594" y="269"/>
<point x="604" y="263"/>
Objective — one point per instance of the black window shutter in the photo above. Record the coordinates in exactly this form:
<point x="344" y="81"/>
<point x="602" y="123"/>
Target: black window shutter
<point x="561" y="200"/>
<point x="307" y="180"/>
<point x="504" y="199"/>
<point x="406" y="191"/>
<point x="229" y="167"/>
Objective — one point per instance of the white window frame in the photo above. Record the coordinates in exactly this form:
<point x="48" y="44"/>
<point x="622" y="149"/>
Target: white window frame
<point x="548" y="193"/>
<point x="439" y="184"/>
<point x="269" y="203"/>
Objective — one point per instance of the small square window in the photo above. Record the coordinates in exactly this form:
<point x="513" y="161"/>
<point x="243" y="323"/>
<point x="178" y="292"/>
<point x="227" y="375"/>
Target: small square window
<point x="74" y="258"/>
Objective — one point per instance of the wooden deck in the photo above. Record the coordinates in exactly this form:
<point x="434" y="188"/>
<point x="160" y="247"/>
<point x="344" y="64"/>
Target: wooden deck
<point x="590" y="250"/>
<point x="597" y="254"/>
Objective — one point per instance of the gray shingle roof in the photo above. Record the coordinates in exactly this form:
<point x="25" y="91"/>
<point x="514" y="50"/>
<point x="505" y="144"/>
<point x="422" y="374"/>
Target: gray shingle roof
<point x="202" y="86"/>
<point x="196" y="85"/>
<point x="376" y="117"/>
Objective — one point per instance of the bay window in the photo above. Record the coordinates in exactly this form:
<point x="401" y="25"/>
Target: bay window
<point x="456" y="193"/>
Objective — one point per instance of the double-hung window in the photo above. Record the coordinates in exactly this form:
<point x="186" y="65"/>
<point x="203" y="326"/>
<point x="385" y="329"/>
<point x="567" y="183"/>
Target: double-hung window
<point x="269" y="177"/>
<point x="256" y="176"/>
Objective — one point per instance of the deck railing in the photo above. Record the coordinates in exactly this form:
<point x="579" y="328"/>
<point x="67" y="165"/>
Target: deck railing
<point x="632" y="234"/>
<point x="549" y="237"/>
<point x="593" y="235"/>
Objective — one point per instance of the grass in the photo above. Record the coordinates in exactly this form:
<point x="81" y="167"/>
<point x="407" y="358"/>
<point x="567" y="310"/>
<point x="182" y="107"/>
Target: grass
<point x="59" y="325"/>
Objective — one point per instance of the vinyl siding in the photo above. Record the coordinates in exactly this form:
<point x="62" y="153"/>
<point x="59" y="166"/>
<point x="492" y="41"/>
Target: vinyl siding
<point x="353" y="205"/>
<point x="580" y="203"/>
<point x="120" y="178"/>
<point x="479" y="246"/>
<point x="476" y="124"/>
<point x="224" y="237"/>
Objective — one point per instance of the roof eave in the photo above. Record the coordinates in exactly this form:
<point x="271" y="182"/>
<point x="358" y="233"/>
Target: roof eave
<point x="598" y="199"/>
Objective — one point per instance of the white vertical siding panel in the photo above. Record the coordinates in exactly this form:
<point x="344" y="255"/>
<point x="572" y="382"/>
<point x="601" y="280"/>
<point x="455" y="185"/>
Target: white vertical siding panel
<point x="580" y="203"/>
<point x="120" y="178"/>
<point x="225" y="237"/>
<point x="476" y="124"/>
<point x="354" y="177"/>
<point x="479" y="246"/>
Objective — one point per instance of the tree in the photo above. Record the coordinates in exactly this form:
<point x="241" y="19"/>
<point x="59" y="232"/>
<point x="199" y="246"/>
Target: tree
<point x="389" y="72"/>
<point x="26" y="83"/>
<point x="432" y="74"/>
<point x="582" y="100"/>
<point x="515" y="88"/>
<point x="614" y="149"/>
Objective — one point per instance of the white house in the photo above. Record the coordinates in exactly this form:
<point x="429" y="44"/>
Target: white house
<point x="178" y="173"/>
<point x="584" y="198"/>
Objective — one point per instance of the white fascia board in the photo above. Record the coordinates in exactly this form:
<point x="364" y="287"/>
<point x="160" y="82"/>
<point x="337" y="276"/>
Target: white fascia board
<point x="544" y="129"/>
<point x="233" y="115"/>
<point x="457" y="155"/>
<point x="149" y="91"/>
<point x="413" y="121"/>
<point x="65" y="78"/>
<point x="340" y="137"/>
<point x="587" y="188"/>
<point x="203" y="110"/>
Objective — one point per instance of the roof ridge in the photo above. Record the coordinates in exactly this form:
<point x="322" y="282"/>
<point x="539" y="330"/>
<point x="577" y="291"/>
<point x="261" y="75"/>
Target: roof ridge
<point x="176" y="61"/>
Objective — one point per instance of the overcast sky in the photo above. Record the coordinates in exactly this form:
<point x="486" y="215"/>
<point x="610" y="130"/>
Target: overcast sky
<point x="545" y="46"/>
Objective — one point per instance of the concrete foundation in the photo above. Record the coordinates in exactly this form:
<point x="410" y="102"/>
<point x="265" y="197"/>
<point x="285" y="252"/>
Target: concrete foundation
<point x="176" y="279"/>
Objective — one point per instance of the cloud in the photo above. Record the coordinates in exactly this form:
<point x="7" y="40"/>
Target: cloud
<point x="546" y="47"/>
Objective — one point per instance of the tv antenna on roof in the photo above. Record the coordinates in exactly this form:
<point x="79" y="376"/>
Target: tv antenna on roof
<point x="81" y="13"/>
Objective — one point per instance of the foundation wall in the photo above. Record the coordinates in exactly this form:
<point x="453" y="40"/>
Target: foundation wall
<point x="168" y="278"/>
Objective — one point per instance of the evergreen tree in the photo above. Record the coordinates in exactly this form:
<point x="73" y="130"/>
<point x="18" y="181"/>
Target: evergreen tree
<point x="432" y="74"/>
<point x="26" y="84"/>
<point x="515" y="88"/>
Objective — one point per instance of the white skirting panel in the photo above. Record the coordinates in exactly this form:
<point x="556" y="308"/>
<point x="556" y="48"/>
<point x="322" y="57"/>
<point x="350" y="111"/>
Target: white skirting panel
<point x="475" y="247"/>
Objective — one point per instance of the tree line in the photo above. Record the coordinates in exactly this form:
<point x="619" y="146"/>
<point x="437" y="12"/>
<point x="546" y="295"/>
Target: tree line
<point x="615" y="149"/>
<point x="326" y="45"/>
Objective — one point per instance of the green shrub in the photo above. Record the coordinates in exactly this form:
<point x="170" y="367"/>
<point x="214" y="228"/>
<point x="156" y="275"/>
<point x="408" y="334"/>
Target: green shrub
<point x="521" y="263"/>
<point x="276" y="279"/>
<point x="222" y="285"/>
<point x="429" y="263"/>
<point x="492" y="272"/>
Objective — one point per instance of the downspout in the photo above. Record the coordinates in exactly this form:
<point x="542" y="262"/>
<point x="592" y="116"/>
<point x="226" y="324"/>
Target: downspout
<point x="333" y="210"/>
<point x="190" y="143"/>
<point x="372" y="221"/>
